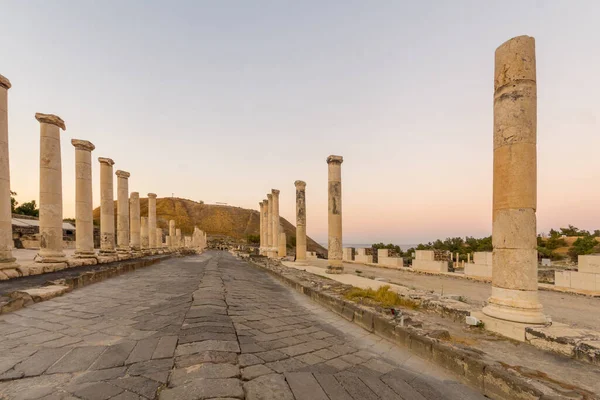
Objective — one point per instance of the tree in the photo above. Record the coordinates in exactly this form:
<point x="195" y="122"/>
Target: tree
<point x="29" y="208"/>
<point x="570" y="231"/>
<point x="583" y="245"/>
<point x="390" y="246"/>
<point x="254" y="239"/>
<point x="13" y="201"/>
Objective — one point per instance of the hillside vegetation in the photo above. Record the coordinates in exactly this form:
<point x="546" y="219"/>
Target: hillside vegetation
<point x="216" y="220"/>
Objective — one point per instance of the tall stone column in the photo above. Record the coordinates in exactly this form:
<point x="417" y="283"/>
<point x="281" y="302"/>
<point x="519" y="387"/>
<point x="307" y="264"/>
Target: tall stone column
<point x="282" y="246"/>
<point x="51" y="207"/>
<point x="152" y="220"/>
<point x="144" y="233"/>
<point x="514" y="276"/>
<point x="300" y="222"/>
<point x="178" y="238"/>
<point x="84" y="209"/>
<point x="172" y="233"/>
<point x="107" y="207"/>
<point x="275" y="244"/>
<point x="270" y="225"/>
<point x="159" y="241"/>
<point x="335" y="214"/>
<point x="261" y="226"/>
<point x="123" y="211"/>
<point x="135" y="240"/>
<point x="7" y="260"/>
<point x="265" y="221"/>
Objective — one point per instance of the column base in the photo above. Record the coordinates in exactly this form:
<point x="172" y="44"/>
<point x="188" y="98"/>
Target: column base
<point x="85" y="254"/>
<point x="50" y="259"/>
<point x="334" y="269"/>
<point x="301" y="262"/>
<point x="509" y="329"/>
<point x="520" y="306"/>
<point x="8" y="263"/>
<point x="104" y="252"/>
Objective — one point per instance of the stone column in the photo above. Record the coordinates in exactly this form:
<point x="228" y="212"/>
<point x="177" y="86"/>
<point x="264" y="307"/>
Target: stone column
<point x="172" y="232"/>
<point x="264" y="221"/>
<point x="300" y="222"/>
<point x="261" y="226"/>
<point x="282" y="250"/>
<point x="123" y="211"/>
<point x="269" y="225"/>
<point x="514" y="276"/>
<point x="168" y="241"/>
<point x="135" y="240"/>
<point x="468" y="258"/>
<point x="178" y="238"/>
<point x="84" y="209"/>
<point x="152" y="220"/>
<point x="275" y="193"/>
<point x="7" y="261"/>
<point x="335" y="215"/>
<point x="51" y="207"/>
<point x="107" y="207"/>
<point x="144" y="233"/>
<point x="159" y="241"/>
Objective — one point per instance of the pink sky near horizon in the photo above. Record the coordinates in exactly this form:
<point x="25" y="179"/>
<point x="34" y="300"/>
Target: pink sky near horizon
<point x="222" y="104"/>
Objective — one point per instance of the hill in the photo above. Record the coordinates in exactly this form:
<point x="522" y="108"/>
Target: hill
<point x="214" y="219"/>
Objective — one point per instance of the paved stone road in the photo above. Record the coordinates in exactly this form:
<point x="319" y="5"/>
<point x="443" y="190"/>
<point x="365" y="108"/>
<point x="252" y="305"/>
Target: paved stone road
<point x="203" y="327"/>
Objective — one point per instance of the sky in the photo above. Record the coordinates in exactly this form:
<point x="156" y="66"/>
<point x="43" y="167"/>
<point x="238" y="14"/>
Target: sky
<point x="222" y="101"/>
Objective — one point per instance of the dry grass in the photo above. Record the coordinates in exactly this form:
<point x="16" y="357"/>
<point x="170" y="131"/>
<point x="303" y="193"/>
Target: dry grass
<point x="382" y="296"/>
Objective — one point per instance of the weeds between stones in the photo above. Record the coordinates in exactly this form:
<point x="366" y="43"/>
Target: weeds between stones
<point x="382" y="296"/>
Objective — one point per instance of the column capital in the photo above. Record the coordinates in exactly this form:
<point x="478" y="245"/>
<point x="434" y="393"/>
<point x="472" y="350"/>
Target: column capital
<point x="262" y="203"/>
<point x="122" y="174"/>
<point x="275" y="192"/>
<point x="335" y="159"/>
<point x="269" y="196"/>
<point x="4" y="82"/>
<point x="83" y="145"/>
<point x="266" y="201"/>
<point x="152" y="195"/>
<point x="51" y="119"/>
<point x="300" y="184"/>
<point x="104" y="160"/>
<point x="134" y="195"/>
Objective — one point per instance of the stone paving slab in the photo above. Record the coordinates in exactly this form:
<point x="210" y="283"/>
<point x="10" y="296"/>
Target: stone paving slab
<point x="203" y="327"/>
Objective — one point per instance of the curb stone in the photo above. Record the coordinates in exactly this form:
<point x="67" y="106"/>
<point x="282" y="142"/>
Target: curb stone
<point x="491" y="380"/>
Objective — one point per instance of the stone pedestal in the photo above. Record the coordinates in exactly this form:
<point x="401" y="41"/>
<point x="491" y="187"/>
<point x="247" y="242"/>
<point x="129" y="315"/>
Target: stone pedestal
<point x="7" y="261"/>
<point x="134" y="222"/>
<point x="300" y="222"/>
<point x="152" y="220"/>
<point x="269" y="225"/>
<point x="51" y="208"/>
<point x="172" y="233"/>
<point x="123" y="211"/>
<point x="275" y="244"/>
<point x="514" y="275"/>
<point x="334" y="192"/>
<point x="84" y="219"/>
<point x="282" y="251"/>
<point x="107" y="207"/>
<point x="168" y="241"/>
<point x="144" y="233"/>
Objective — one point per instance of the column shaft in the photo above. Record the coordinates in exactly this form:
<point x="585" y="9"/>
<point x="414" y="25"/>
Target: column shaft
<point x="270" y="225"/>
<point x="159" y="240"/>
<point x="6" y="239"/>
<point x="514" y="275"/>
<point x="84" y="218"/>
<point x="51" y="207"/>
<point x="300" y="221"/>
<point x="261" y="226"/>
<point x="134" y="221"/>
<point x="144" y="233"/>
<point x="275" y="244"/>
<point x="335" y="214"/>
<point x="107" y="207"/>
<point x="123" y="211"/>
<point x="152" y="220"/>
<point x="172" y="233"/>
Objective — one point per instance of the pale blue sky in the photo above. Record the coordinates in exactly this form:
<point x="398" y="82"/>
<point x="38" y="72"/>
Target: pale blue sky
<point x="224" y="100"/>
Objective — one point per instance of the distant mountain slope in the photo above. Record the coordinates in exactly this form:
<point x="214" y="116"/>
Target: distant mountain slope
<point x="235" y="222"/>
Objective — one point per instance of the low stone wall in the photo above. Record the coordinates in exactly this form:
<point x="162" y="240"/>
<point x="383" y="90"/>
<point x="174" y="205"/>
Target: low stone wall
<point x="433" y="266"/>
<point x="577" y="280"/>
<point x="478" y="270"/>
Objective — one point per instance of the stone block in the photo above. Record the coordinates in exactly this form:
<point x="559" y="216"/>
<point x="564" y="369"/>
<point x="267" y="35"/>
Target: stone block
<point x="425" y="255"/>
<point x="45" y="293"/>
<point x="562" y="279"/>
<point x="589" y="264"/>
<point x="363" y="259"/>
<point x="348" y="253"/>
<point x="583" y="281"/>
<point x="396" y="262"/>
<point x="478" y="270"/>
<point x="431" y="266"/>
<point x="482" y="257"/>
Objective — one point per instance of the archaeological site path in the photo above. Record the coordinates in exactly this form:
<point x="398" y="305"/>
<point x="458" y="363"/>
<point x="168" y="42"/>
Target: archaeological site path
<point x="203" y="327"/>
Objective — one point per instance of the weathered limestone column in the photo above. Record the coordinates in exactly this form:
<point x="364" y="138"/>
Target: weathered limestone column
<point x="51" y="207"/>
<point x="282" y="250"/>
<point x="107" y="207"/>
<point x="269" y="225"/>
<point x="123" y="211"/>
<point x="7" y="261"/>
<point x="335" y="215"/>
<point x="514" y="276"/>
<point x="261" y="226"/>
<point x="172" y="232"/>
<point x="135" y="240"/>
<point x="264" y="221"/>
<point x="84" y="209"/>
<point x="300" y="222"/>
<point x="275" y="244"/>
<point x="168" y="241"/>
<point x="159" y="241"/>
<point x="152" y="220"/>
<point x="178" y="238"/>
<point x="144" y="233"/>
